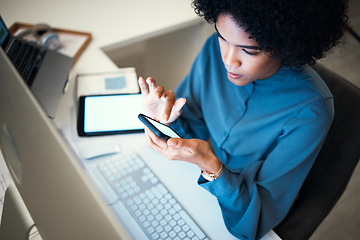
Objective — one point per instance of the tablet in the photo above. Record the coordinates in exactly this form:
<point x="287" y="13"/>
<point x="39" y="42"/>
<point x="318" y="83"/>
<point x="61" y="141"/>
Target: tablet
<point x="109" y="114"/>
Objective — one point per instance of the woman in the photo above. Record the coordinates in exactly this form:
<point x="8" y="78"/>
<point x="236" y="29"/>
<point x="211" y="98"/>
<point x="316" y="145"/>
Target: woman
<point x="252" y="93"/>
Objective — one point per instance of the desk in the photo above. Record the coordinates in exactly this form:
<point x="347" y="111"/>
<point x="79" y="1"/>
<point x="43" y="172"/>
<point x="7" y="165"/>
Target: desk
<point x="113" y="23"/>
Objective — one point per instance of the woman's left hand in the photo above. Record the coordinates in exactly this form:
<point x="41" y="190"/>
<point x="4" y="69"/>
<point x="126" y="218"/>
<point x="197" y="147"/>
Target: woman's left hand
<point x="194" y="151"/>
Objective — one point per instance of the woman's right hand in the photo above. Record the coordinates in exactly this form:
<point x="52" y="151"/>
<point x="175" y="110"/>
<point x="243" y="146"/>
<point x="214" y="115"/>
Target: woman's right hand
<point x="158" y="103"/>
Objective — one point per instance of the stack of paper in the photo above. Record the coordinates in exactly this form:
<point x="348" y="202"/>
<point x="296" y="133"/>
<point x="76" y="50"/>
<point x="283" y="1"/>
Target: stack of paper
<point x="123" y="80"/>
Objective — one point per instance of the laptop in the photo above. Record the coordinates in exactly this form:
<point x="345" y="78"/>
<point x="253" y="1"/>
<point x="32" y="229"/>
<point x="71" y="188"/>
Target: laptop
<point x="45" y="71"/>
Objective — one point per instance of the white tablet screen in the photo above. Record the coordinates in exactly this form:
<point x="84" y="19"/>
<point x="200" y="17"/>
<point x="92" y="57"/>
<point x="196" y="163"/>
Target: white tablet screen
<point x="111" y="113"/>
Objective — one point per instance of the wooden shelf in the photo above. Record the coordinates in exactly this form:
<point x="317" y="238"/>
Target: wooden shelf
<point x="73" y="42"/>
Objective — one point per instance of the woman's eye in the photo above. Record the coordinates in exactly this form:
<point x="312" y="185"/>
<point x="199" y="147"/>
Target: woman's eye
<point x="250" y="53"/>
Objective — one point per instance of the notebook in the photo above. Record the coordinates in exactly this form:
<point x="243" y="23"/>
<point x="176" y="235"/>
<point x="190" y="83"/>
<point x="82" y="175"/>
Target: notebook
<point x="45" y="71"/>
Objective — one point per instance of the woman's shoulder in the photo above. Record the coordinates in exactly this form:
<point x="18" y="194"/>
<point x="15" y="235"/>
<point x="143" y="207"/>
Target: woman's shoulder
<point x="309" y="79"/>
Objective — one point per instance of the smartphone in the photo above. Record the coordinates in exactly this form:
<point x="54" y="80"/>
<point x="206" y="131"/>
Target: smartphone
<point x="161" y="130"/>
<point x="109" y="114"/>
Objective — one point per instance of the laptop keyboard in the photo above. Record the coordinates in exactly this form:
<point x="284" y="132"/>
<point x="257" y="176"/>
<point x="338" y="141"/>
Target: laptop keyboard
<point x="26" y="58"/>
<point x="154" y="208"/>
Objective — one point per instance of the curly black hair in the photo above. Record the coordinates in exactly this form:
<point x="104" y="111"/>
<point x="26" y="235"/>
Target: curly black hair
<point x="299" y="32"/>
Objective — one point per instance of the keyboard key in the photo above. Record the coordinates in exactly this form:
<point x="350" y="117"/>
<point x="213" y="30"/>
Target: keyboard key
<point x="155" y="223"/>
<point x="150" y="230"/>
<point x="177" y="229"/>
<point x="159" y="229"/>
<point x="156" y="192"/>
<point x="155" y="235"/>
<point x="185" y="228"/>
<point x="177" y="207"/>
<point x="163" y="235"/>
<point x="182" y="234"/>
<point x="162" y="189"/>
<point x="149" y="194"/>
<point x="190" y="233"/>
<point x="146" y="224"/>
<point x="150" y="218"/>
<point x="172" y="234"/>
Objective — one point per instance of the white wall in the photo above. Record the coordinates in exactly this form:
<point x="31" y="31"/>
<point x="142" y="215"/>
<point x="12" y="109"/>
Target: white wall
<point x="166" y="57"/>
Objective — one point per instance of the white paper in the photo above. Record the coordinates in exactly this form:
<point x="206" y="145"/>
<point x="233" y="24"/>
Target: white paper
<point x="5" y="180"/>
<point x="124" y="80"/>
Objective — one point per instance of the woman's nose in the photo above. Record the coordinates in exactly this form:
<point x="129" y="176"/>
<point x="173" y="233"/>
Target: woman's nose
<point x="231" y="58"/>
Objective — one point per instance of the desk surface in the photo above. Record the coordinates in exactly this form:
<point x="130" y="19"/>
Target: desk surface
<point x="112" y="23"/>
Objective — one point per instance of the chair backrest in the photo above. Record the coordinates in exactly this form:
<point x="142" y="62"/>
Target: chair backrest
<point x="334" y="165"/>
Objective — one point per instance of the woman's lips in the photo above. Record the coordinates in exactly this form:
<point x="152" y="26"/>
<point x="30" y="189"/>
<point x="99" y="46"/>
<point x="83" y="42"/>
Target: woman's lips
<point x="233" y="75"/>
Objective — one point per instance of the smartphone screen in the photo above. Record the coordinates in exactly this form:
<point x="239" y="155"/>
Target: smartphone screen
<point x="161" y="130"/>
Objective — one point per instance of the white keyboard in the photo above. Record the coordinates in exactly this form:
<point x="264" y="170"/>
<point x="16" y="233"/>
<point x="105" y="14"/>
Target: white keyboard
<point x="154" y="208"/>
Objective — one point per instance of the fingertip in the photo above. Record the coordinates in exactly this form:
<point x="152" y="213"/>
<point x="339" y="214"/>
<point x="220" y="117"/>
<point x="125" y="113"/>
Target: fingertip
<point x="149" y="80"/>
<point x="142" y="85"/>
<point x="180" y="103"/>
<point x="183" y="101"/>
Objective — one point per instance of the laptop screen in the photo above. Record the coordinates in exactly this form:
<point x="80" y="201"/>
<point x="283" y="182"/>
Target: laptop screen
<point x="4" y="33"/>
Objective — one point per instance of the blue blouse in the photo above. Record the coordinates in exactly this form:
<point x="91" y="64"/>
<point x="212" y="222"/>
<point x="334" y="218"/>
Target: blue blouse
<point x="267" y="133"/>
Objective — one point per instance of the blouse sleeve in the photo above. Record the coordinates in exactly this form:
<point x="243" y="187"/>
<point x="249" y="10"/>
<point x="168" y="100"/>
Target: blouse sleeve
<point x="257" y="198"/>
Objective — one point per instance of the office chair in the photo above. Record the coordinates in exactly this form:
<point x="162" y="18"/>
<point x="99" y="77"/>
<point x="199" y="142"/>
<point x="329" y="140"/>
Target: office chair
<point x="334" y="165"/>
